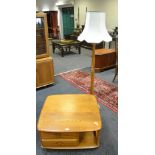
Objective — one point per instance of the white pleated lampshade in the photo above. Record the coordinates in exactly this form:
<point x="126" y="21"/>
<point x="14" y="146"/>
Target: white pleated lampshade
<point x="95" y="28"/>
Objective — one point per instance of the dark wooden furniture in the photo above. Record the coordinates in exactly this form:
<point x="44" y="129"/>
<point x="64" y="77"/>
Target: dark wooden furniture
<point x="75" y="34"/>
<point x="66" y="45"/>
<point x="104" y="59"/>
<point x="52" y="22"/>
<point x="116" y="49"/>
<point x="44" y="63"/>
<point x="89" y="45"/>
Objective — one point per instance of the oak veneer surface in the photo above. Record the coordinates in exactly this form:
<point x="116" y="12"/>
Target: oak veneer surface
<point x="70" y="113"/>
<point x="45" y="71"/>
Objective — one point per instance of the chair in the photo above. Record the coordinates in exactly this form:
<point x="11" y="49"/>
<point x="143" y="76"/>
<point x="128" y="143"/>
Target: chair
<point x="116" y="49"/>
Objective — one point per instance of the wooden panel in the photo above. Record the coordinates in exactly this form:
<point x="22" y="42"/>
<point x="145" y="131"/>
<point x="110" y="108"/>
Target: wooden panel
<point x="45" y="72"/>
<point x="60" y="142"/>
<point x="59" y="139"/>
<point x="105" y="58"/>
<point x="59" y="135"/>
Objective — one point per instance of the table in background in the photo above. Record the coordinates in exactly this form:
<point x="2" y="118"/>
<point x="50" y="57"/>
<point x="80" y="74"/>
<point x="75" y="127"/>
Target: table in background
<point x="66" y="45"/>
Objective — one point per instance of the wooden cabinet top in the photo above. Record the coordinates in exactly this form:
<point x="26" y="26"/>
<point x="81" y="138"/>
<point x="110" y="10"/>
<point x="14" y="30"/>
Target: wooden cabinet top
<point x="103" y="51"/>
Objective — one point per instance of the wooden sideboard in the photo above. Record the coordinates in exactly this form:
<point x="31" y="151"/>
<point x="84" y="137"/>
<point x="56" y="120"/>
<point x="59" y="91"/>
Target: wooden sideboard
<point x="104" y="59"/>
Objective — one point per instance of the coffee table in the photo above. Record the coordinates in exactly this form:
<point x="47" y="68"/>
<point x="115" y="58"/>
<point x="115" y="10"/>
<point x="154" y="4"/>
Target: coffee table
<point x="66" y="45"/>
<point x="69" y="121"/>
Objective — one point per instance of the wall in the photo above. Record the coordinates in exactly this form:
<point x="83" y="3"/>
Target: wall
<point x="110" y="7"/>
<point x="107" y="6"/>
<point x="54" y="5"/>
<point x="51" y="5"/>
<point x="46" y="5"/>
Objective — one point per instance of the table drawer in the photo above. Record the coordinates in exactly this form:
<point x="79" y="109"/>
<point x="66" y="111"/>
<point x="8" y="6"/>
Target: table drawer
<point x="59" y="142"/>
<point x="56" y="135"/>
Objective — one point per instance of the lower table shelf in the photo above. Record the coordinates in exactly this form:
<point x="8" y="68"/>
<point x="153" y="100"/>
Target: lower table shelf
<point x="84" y="140"/>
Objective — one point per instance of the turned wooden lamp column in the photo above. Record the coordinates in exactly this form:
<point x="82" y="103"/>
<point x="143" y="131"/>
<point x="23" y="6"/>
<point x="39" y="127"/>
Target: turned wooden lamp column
<point x="94" y="32"/>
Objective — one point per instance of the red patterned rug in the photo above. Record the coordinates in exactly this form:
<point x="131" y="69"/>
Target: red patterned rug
<point x="106" y="93"/>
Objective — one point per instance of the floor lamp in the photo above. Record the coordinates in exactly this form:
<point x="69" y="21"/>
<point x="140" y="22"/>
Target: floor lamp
<point x="94" y="32"/>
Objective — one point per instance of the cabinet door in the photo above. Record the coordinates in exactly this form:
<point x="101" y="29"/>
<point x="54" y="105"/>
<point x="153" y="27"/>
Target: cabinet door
<point x="42" y="50"/>
<point x="45" y="73"/>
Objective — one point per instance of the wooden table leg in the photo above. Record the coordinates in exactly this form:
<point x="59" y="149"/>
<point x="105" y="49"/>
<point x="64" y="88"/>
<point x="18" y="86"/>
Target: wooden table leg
<point x="79" y="49"/>
<point x="62" y="51"/>
<point x="53" y="48"/>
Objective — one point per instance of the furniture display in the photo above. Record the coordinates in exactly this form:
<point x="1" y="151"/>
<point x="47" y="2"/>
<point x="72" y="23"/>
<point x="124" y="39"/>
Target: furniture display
<point x="105" y="58"/>
<point x="44" y="72"/>
<point x="70" y="121"/>
<point x="44" y="63"/>
<point x="66" y="45"/>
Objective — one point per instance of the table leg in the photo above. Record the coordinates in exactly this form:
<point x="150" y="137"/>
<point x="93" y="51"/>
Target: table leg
<point x="53" y="48"/>
<point x="69" y="48"/>
<point x="79" y="49"/>
<point x="62" y="51"/>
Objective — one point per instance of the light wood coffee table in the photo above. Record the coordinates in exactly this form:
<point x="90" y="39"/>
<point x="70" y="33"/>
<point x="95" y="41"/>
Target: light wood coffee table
<point x="70" y="122"/>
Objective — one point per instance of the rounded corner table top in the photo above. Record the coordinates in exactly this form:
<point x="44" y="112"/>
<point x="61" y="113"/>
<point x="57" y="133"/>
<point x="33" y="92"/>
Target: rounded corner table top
<point x="70" y="113"/>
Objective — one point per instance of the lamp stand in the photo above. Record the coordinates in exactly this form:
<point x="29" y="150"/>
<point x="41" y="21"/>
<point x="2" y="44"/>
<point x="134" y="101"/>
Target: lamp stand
<point x="92" y="69"/>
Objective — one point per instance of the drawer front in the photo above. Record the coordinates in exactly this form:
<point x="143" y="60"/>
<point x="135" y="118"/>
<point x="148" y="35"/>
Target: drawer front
<point x="47" y="143"/>
<point x="58" y="135"/>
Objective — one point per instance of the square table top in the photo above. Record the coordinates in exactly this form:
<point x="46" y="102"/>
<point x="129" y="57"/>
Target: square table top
<point x="70" y="113"/>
